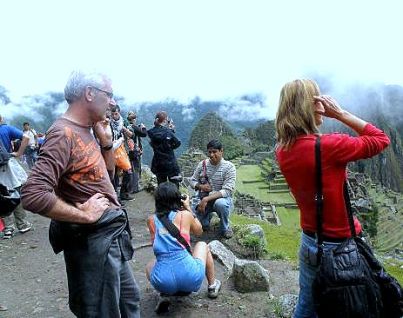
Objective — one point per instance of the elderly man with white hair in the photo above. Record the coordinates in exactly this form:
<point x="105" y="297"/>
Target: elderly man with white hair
<point x="70" y="184"/>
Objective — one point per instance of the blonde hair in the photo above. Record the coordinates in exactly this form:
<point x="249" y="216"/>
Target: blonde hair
<point x="295" y="115"/>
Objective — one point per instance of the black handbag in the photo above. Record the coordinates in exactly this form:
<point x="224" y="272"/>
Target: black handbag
<point x="203" y="180"/>
<point x="350" y="281"/>
<point x="9" y="200"/>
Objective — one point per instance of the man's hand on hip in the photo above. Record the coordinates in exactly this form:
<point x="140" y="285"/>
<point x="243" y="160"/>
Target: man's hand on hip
<point x="94" y="207"/>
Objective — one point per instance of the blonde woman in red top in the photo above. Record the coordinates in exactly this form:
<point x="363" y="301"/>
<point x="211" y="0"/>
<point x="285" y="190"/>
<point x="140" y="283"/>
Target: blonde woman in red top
<point x="301" y="111"/>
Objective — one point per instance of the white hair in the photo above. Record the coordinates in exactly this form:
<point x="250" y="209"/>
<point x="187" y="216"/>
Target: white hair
<point x="79" y="80"/>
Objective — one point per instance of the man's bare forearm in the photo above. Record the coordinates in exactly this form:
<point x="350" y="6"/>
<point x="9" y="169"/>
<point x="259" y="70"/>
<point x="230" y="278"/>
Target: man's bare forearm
<point x="214" y="196"/>
<point x="23" y="146"/>
<point x="109" y="158"/>
<point x="65" y="212"/>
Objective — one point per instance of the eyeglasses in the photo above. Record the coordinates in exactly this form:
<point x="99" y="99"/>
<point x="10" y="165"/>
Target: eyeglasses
<point x="109" y="94"/>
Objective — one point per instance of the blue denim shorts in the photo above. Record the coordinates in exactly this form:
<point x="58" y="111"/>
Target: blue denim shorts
<point x="177" y="272"/>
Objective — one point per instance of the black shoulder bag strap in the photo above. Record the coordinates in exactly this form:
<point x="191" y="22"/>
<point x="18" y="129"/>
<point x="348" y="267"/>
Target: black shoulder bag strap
<point x="319" y="199"/>
<point x="174" y="231"/>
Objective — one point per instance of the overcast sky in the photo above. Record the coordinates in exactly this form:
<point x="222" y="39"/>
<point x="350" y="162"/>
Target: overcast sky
<point x="183" y="48"/>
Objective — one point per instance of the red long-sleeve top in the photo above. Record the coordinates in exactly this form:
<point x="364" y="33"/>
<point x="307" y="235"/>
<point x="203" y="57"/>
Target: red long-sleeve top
<point x="298" y="167"/>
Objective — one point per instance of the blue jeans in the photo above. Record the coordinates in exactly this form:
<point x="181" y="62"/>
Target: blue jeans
<point x="30" y="156"/>
<point x="307" y="272"/>
<point x="223" y="207"/>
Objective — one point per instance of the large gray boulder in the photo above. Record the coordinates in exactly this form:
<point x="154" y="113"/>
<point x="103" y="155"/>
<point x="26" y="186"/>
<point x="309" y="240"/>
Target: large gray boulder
<point x="250" y="276"/>
<point x="256" y="230"/>
<point x="223" y="254"/>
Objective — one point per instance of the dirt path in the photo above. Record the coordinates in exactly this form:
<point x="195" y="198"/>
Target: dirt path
<point x="33" y="279"/>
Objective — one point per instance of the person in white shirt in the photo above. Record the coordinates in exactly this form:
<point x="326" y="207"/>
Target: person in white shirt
<point x="30" y="152"/>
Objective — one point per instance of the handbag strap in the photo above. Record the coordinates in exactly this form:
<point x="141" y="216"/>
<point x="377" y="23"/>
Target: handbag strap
<point x="173" y="230"/>
<point x="319" y="200"/>
<point x="319" y="191"/>
<point x="204" y="168"/>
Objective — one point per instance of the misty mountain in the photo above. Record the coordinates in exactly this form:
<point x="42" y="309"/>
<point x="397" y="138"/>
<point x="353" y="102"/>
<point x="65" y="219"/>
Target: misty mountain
<point x="212" y="126"/>
<point x="4" y="96"/>
<point x="261" y="138"/>
<point x="42" y="110"/>
<point x="381" y="105"/>
<point x="186" y="117"/>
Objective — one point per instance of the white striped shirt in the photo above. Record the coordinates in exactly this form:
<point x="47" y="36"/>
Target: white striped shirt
<point x="221" y="177"/>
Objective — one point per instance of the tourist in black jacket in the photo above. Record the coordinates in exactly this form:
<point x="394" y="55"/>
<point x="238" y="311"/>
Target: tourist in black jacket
<point x="163" y="141"/>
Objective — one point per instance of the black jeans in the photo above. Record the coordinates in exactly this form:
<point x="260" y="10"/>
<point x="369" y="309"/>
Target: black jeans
<point x="126" y="182"/>
<point x="164" y="178"/>
<point x="100" y="280"/>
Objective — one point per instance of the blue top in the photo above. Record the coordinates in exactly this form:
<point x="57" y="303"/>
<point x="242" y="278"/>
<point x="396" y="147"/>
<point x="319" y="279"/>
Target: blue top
<point x="9" y="133"/>
<point x="165" y="243"/>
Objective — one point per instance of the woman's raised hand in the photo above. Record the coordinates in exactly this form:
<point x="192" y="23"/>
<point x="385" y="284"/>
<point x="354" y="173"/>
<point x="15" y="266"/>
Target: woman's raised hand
<point x="331" y="107"/>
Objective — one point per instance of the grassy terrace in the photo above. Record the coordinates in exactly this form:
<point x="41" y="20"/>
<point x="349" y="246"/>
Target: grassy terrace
<point x="253" y="172"/>
<point x="283" y="241"/>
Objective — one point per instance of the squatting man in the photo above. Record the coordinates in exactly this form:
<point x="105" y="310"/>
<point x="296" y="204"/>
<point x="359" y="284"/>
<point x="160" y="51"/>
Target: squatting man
<point x="214" y="179"/>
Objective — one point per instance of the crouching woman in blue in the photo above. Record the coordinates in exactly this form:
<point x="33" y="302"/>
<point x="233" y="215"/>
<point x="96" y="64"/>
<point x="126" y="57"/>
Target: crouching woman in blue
<point x="175" y="270"/>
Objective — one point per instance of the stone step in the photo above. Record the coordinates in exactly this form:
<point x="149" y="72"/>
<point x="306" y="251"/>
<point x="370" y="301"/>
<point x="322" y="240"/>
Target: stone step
<point x="278" y="191"/>
<point x="279" y="186"/>
<point x="252" y="181"/>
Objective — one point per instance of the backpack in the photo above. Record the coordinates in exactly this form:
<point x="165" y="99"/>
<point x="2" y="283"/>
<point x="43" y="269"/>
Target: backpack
<point x="4" y="155"/>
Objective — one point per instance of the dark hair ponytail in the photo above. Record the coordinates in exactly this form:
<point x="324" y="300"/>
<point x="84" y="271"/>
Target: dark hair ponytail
<point x="167" y="199"/>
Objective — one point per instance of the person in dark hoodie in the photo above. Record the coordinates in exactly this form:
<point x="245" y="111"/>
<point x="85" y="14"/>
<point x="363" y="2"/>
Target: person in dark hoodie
<point x="164" y="142"/>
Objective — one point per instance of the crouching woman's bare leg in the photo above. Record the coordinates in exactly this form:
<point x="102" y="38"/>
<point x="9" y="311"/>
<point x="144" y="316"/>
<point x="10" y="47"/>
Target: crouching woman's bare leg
<point x="202" y="251"/>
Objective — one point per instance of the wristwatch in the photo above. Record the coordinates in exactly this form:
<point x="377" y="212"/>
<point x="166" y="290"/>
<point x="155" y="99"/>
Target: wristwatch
<point x="107" y="147"/>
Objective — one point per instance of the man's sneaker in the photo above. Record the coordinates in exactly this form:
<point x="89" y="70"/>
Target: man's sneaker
<point x="127" y="197"/>
<point x="228" y="234"/>
<point x="162" y="305"/>
<point x="27" y="227"/>
<point x="8" y="233"/>
<point x="213" y="290"/>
